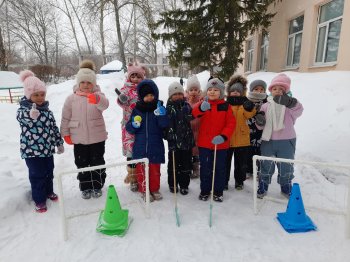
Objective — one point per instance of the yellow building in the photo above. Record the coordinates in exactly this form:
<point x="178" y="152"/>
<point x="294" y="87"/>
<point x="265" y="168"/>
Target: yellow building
<point x="304" y="36"/>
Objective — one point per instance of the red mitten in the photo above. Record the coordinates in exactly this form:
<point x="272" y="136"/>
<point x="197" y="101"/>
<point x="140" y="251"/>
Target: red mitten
<point x="93" y="98"/>
<point x="68" y="140"/>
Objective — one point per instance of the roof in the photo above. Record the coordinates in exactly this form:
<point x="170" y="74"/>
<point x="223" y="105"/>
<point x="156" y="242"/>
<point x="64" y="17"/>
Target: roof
<point x="10" y="80"/>
<point x="114" y="65"/>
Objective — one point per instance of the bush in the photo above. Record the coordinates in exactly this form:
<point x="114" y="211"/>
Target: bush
<point x="44" y="72"/>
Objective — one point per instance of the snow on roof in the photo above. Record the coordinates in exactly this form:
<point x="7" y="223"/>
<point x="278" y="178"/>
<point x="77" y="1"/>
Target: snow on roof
<point x="9" y="80"/>
<point x="114" y="65"/>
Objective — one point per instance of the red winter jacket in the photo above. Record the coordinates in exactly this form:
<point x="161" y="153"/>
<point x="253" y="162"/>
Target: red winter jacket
<point x="218" y="120"/>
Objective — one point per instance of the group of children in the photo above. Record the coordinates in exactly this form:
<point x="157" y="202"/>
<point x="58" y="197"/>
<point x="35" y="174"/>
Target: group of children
<point x="204" y="131"/>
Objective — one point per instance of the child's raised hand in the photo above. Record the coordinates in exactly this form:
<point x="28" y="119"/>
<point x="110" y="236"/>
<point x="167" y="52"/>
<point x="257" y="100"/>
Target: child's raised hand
<point x="123" y="98"/>
<point x="285" y="100"/>
<point x="205" y="105"/>
<point x="93" y="98"/>
<point x="136" y="122"/>
<point x="34" y="113"/>
<point x="160" y="111"/>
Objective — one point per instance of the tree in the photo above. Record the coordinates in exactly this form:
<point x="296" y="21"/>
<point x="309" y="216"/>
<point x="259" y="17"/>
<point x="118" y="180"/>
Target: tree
<point x="3" y="63"/>
<point x="212" y="33"/>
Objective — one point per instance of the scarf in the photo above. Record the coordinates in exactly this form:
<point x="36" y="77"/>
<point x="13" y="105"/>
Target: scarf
<point x="146" y="107"/>
<point x="274" y="119"/>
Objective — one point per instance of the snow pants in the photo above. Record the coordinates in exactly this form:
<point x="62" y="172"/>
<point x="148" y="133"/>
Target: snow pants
<point x="280" y="149"/>
<point x="154" y="177"/>
<point x="241" y="155"/>
<point x="206" y="158"/>
<point x="86" y="156"/>
<point x="183" y="168"/>
<point x="40" y="177"/>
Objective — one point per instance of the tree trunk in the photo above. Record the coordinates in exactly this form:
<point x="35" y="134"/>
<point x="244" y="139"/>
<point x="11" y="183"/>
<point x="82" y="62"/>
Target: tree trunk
<point x="3" y="64"/>
<point x="119" y="33"/>
<point x="102" y="35"/>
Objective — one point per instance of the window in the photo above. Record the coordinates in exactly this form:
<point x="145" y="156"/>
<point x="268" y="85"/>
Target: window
<point x="264" y="51"/>
<point x="249" y="56"/>
<point x="294" y="41"/>
<point x="328" y="31"/>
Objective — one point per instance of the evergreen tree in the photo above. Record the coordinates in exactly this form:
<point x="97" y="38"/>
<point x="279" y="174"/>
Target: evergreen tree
<point x="212" y="33"/>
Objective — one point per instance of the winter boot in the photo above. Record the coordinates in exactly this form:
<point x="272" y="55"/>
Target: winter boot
<point x="286" y="190"/>
<point x="239" y="186"/>
<point x="40" y="207"/>
<point x="96" y="193"/>
<point x="184" y="191"/>
<point x="86" y="194"/>
<point x="53" y="197"/>
<point x="151" y="199"/>
<point x="262" y="190"/>
<point x="203" y="196"/>
<point x="157" y="195"/>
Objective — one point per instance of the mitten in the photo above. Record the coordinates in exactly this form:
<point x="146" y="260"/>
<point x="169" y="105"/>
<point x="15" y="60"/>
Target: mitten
<point x="248" y="106"/>
<point x="34" y="113"/>
<point x="93" y="98"/>
<point x="117" y="91"/>
<point x="260" y="119"/>
<point x="160" y="111"/>
<point x="136" y="122"/>
<point x="68" y="140"/>
<point x="217" y="140"/>
<point x="60" y="149"/>
<point x="123" y="98"/>
<point x="205" y="105"/>
<point x="286" y="100"/>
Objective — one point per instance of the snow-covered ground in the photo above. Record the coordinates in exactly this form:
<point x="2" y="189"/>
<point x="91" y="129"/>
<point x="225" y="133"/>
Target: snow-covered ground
<point x="237" y="234"/>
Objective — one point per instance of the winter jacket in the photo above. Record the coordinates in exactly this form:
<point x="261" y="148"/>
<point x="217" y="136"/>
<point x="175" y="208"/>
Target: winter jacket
<point x="84" y="121"/>
<point x="290" y="116"/>
<point x="218" y="120"/>
<point x="194" y="125"/>
<point x="179" y="133"/>
<point x="38" y="137"/>
<point x="149" y="136"/>
<point x="130" y="90"/>
<point x="241" y="135"/>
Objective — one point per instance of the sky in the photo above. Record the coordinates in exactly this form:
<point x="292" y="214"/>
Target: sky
<point x="237" y="233"/>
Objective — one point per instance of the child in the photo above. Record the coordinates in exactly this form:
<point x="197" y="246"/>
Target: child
<point x="243" y="109"/>
<point x="147" y="122"/>
<point x="278" y="137"/>
<point x="257" y="95"/>
<point x="127" y="100"/>
<point x="193" y="95"/>
<point x="216" y="126"/>
<point x="39" y="137"/>
<point x="180" y="139"/>
<point x="83" y="126"/>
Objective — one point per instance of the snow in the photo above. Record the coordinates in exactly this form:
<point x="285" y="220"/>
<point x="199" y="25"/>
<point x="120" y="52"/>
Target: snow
<point x="113" y="65"/>
<point x="237" y="234"/>
<point x="9" y="80"/>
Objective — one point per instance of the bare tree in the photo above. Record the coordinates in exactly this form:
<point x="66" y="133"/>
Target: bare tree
<point x="3" y="62"/>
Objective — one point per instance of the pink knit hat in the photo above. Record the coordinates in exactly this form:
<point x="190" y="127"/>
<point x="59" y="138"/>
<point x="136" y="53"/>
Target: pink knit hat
<point x="31" y="83"/>
<point x="281" y="80"/>
<point x="136" y="69"/>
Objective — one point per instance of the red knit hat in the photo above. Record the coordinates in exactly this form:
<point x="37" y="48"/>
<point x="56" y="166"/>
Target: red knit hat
<point x="31" y="83"/>
<point x="281" y="80"/>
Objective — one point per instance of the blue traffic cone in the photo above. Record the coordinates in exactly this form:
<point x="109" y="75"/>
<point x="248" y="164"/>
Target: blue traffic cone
<point x="295" y="220"/>
<point x="113" y="220"/>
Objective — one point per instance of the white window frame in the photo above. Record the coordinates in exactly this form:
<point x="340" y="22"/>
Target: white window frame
<point x="264" y="49"/>
<point x="293" y="37"/>
<point x="319" y="26"/>
<point x="249" y="56"/>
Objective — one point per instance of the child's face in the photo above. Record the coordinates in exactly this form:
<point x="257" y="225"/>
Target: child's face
<point x="235" y="93"/>
<point x="135" y="78"/>
<point x="177" y="97"/>
<point x="194" y="91"/>
<point x="277" y="90"/>
<point x="258" y="89"/>
<point x="148" y="98"/>
<point x="213" y="93"/>
<point x="86" y="87"/>
<point x="38" y="98"/>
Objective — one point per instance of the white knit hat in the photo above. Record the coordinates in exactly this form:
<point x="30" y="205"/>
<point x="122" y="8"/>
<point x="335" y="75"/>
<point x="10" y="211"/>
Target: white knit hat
<point x="86" y="72"/>
<point x="192" y="82"/>
<point x="174" y="88"/>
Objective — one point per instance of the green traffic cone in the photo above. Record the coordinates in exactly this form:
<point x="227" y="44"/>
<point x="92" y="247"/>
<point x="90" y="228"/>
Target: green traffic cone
<point x="113" y="220"/>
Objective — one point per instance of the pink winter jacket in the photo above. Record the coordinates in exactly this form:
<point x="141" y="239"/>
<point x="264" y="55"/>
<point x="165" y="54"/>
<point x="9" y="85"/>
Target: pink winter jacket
<point x="82" y="121"/>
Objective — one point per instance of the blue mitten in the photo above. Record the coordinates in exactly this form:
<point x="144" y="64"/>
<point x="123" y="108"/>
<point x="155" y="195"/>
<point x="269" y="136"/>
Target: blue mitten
<point x="205" y="105"/>
<point x="160" y="111"/>
<point x="217" y="140"/>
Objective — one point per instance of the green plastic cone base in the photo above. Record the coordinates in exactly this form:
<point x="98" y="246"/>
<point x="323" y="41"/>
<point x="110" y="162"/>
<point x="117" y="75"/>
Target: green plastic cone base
<point x="113" y="220"/>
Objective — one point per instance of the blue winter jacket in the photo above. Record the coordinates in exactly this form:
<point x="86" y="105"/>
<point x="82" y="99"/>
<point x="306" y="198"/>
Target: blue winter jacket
<point x="38" y="137"/>
<point x="149" y="137"/>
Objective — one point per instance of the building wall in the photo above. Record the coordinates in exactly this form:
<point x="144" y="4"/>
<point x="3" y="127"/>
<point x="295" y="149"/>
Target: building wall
<point x="286" y="11"/>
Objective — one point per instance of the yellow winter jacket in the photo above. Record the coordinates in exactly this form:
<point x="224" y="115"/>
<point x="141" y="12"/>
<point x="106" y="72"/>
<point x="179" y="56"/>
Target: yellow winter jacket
<point x="241" y="135"/>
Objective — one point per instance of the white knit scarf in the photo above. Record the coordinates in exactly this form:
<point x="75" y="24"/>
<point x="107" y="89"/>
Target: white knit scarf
<point x="274" y="119"/>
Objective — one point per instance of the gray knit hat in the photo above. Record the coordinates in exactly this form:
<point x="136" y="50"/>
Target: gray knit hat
<point x="256" y="83"/>
<point x="236" y="87"/>
<point x="175" y="87"/>
<point x="216" y="83"/>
